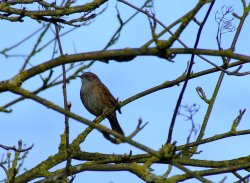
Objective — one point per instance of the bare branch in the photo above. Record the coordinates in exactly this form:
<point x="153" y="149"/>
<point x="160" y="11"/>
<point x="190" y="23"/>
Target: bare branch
<point x="16" y="149"/>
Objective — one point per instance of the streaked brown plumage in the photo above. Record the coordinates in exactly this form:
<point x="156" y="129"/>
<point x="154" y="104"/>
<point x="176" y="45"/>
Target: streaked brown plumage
<point x="97" y="99"/>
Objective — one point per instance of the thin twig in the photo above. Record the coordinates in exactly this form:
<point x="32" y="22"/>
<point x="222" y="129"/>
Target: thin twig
<point x="16" y="149"/>
<point x="187" y="76"/>
<point x="66" y="103"/>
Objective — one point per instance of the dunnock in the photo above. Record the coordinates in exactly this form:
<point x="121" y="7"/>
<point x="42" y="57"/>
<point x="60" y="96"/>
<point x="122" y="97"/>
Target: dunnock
<point x="97" y="99"/>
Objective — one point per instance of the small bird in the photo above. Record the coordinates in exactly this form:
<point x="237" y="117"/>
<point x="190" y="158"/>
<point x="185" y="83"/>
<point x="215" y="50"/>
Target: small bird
<point x="97" y="99"/>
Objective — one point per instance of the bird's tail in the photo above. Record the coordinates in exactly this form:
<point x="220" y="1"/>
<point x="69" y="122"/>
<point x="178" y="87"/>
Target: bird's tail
<point x="114" y="123"/>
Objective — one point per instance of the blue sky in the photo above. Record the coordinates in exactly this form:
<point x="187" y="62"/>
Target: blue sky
<point x="36" y="124"/>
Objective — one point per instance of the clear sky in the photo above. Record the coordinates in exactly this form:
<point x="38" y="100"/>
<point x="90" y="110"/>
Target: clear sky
<point x="36" y="124"/>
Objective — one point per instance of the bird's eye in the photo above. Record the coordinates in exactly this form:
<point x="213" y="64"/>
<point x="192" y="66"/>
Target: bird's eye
<point x="88" y="76"/>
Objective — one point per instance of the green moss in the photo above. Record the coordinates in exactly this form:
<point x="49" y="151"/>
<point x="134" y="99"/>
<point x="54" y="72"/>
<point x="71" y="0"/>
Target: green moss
<point x="167" y="150"/>
<point x="143" y="171"/>
<point x="246" y="10"/>
<point x="162" y="44"/>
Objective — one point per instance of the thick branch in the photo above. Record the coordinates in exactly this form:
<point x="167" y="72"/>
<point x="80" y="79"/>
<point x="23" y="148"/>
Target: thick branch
<point x="111" y="55"/>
